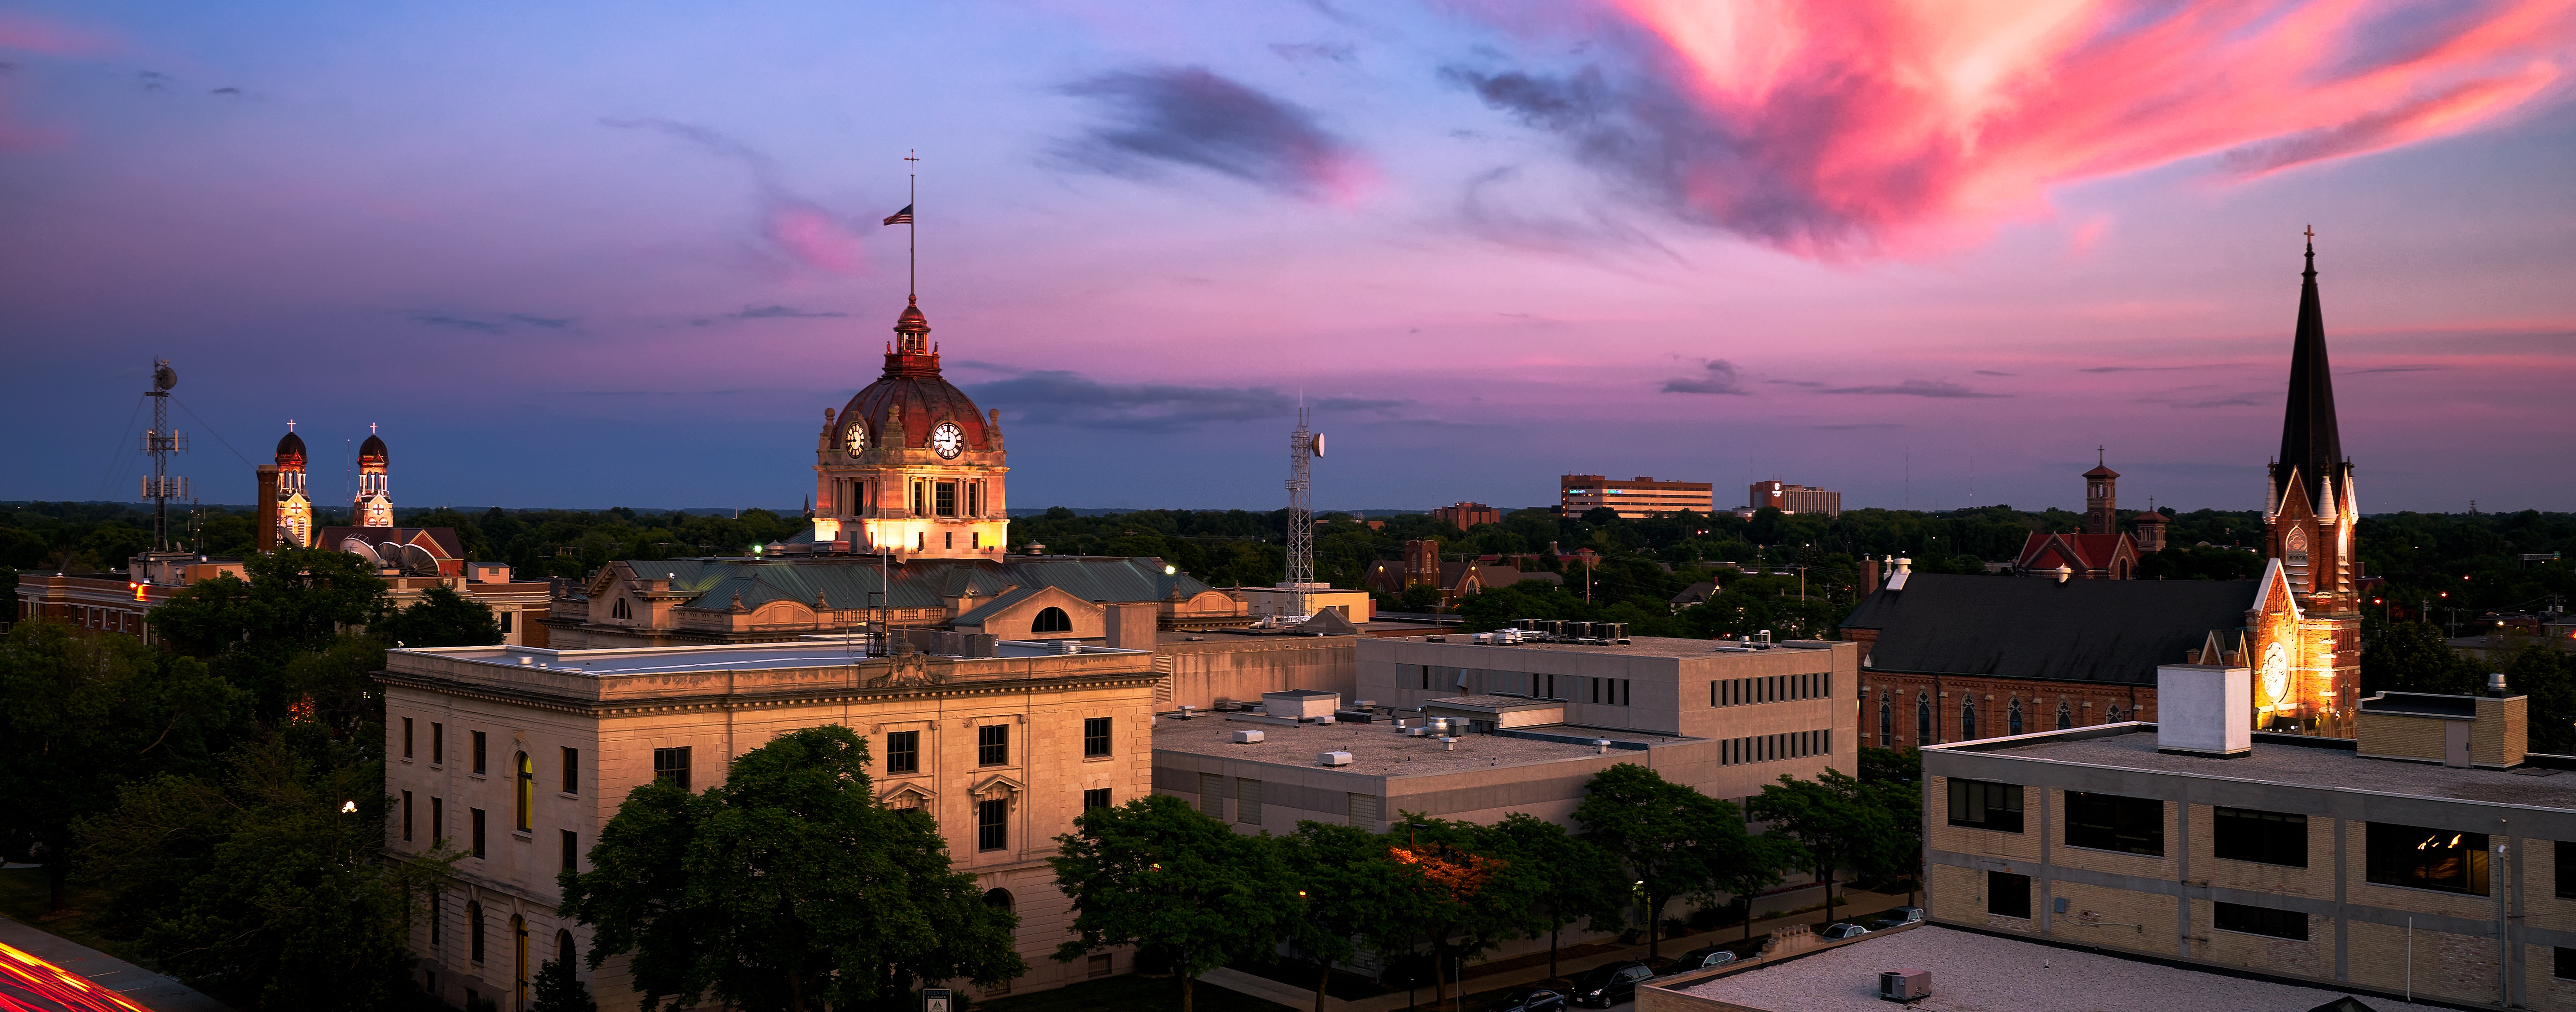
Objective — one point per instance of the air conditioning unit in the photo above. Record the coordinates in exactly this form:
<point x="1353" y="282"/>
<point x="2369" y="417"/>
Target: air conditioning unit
<point x="1909" y="985"/>
<point x="1247" y="737"/>
<point x="1333" y="759"/>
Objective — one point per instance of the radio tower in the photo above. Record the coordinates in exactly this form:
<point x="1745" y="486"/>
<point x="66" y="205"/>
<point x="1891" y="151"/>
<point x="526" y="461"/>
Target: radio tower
<point x="1303" y="447"/>
<point x="159" y="442"/>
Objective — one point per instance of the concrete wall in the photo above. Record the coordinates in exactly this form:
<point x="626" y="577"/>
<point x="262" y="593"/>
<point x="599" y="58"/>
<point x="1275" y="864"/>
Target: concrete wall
<point x="1232" y="666"/>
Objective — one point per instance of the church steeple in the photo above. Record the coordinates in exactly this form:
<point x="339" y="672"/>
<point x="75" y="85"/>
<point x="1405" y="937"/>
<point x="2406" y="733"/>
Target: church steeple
<point x="2311" y="446"/>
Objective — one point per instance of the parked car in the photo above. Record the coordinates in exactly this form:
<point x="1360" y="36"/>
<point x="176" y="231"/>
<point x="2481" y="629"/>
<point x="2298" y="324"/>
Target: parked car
<point x="1846" y="929"/>
<point x="1610" y="983"/>
<point x="1531" y="999"/>
<point x="1897" y="918"/>
<point x="1701" y="959"/>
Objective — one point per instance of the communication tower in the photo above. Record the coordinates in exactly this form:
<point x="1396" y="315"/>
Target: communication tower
<point x="159" y="442"/>
<point x="1304" y="445"/>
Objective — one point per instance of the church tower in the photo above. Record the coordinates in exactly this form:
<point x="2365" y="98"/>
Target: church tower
<point x="2101" y="497"/>
<point x="909" y="465"/>
<point x="372" y="508"/>
<point x="2311" y="672"/>
<point x="294" y="505"/>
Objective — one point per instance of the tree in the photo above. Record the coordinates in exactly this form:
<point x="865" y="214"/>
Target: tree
<point x="557" y="990"/>
<point x="2414" y="657"/>
<point x="1893" y="778"/>
<point x="296" y="601"/>
<point x="1673" y="840"/>
<point x="1570" y="873"/>
<point x="1158" y="875"/>
<point x="441" y="618"/>
<point x="1345" y="884"/>
<point x="86" y="714"/>
<point x="2547" y="675"/>
<point x="1462" y="892"/>
<point x="269" y="888"/>
<point x="785" y="887"/>
<point x="1836" y="822"/>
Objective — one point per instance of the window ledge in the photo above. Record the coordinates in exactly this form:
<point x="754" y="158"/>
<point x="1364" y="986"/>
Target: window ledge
<point x="568" y="795"/>
<point x="1098" y="758"/>
<point x="2107" y="850"/>
<point x="2422" y="889"/>
<point x="529" y="835"/>
<point x="2268" y="864"/>
<point x="1991" y="829"/>
<point x="2257" y="934"/>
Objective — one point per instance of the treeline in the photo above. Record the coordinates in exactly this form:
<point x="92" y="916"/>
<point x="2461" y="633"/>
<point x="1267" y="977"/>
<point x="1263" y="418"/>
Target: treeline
<point x="219" y="800"/>
<point x="690" y="886"/>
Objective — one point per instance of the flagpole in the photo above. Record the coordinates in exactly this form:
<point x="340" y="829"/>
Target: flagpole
<point x="912" y="232"/>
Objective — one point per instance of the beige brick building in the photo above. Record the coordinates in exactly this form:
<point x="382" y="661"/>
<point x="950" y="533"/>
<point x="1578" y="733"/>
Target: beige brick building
<point x="2423" y="857"/>
<point x="520" y="755"/>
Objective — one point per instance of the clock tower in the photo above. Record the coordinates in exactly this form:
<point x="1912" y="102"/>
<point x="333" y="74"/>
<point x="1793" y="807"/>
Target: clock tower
<point x="909" y="465"/>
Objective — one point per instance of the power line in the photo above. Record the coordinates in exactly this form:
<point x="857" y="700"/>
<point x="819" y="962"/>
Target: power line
<point x="117" y="454"/>
<point x="210" y="430"/>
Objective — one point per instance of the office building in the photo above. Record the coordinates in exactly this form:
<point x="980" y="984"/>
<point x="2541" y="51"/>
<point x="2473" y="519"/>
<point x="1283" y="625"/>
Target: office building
<point x="1466" y="515"/>
<point x="1634" y="499"/>
<point x="1789" y="498"/>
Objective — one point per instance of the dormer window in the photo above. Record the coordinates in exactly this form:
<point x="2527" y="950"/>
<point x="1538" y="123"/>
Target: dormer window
<point x="620" y="610"/>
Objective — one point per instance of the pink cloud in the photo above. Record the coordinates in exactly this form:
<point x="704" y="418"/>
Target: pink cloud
<point x="815" y="238"/>
<point x="26" y="33"/>
<point x="1909" y="126"/>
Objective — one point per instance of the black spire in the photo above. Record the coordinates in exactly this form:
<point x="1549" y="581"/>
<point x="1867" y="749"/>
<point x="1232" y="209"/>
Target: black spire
<point x="2310" y="444"/>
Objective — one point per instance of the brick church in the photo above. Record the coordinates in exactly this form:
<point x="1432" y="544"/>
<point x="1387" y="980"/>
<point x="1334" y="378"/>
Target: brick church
<point x="1953" y="658"/>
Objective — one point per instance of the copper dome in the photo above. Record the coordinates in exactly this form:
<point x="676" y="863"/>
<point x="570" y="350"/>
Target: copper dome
<point x="912" y="381"/>
<point x="372" y="451"/>
<point x="290" y="451"/>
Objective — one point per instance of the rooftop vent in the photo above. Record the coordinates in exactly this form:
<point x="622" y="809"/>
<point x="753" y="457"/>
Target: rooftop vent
<point x="1185" y="710"/>
<point x="1247" y="737"/>
<point x="1908" y="985"/>
<point x="1331" y="758"/>
<point x="1601" y="746"/>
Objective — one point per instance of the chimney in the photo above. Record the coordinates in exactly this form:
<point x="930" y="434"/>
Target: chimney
<point x="1868" y="574"/>
<point x="264" y="525"/>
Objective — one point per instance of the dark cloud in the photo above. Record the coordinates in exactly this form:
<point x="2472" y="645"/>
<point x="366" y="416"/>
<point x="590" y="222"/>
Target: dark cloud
<point x="1187" y="116"/>
<point x="783" y="313"/>
<point x="1914" y="388"/>
<point x="1721" y="378"/>
<point x="2396" y="368"/>
<point x="437" y="318"/>
<point x="227" y="91"/>
<point x="1069" y="398"/>
<point x="2199" y="397"/>
<point x="1990" y="372"/>
<point x="548" y="322"/>
<point x="1795" y="383"/>
<point x="1306" y="52"/>
<point x="2160" y="368"/>
<point x="459" y="322"/>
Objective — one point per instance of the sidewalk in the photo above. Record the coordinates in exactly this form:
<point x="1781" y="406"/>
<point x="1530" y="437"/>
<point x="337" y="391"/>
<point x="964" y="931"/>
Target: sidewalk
<point x="1854" y="904"/>
<point x="138" y="985"/>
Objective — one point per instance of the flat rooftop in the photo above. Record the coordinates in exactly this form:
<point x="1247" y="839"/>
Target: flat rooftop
<point x="675" y="660"/>
<point x="1637" y="646"/>
<point x="1377" y="749"/>
<point x="2304" y="766"/>
<point x="1982" y="973"/>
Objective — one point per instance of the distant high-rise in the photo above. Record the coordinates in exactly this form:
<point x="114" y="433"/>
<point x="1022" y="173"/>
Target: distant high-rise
<point x="1466" y="515"/>
<point x="1642" y="497"/>
<point x="1789" y="498"/>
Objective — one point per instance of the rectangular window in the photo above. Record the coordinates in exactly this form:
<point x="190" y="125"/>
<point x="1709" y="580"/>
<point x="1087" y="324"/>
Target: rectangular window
<point x="571" y="851"/>
<point x="2113" y="822"/>
<point x="478" y="752"/>
<point x="437" y="821"/>
<point x="1097" y="797"/>
<point x="406" y="816"/>
<point x="2244" y="834"/>
<point x="1247" y="801"/>
<point x="437" y="912"/>
<point x="474" y="930"/>
<point x="504" y="618"/>
<point x="916" y="499"/>
<point x="903" y="752"/>
<point x="2288" y="924"/>
<point x="2421" y="858"/>
<point x="477" y="819"/>
<point x="1623" y="692"/>
<point x="2562" y="964"/>
<point x="944" y="498"/>
<point x="671" y="766"/>
<point x="1095" y="736"/>
<point x="1979" y="805"/>
<point x="437" y="743"/>
<point x="406" y="737"/>
<point x="2566" y="870"/>
<point x="992" y="824"/>
<point x="572" y="771"/>
<point x="993" y="745"/>
<point x="1426" y="675"/>
<point x="975" y="499"/>
<point x="2007" y="894"/>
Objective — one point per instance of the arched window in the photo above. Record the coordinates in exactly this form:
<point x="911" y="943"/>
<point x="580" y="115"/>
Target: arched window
<point x="474" y="930"/>
<point x="2114" y="715"/>
<point x="619" y="610"/>
<point x="527" y="792"/>
<point x="2012" y="717"/>
<point x="1922" y="719"/>
<point x="999" y="898"/>
<point x="565" y="949"/>
<point x="519" y="957"/>
<point x="1886" y="721"/>
<point x="1052" y="619"/>
<point x="1968" y="719"/>
<point x="2065" y="717"/>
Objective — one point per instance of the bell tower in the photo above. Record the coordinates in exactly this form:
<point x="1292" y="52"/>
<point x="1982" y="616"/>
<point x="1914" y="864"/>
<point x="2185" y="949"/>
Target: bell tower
<point x="2101" y="496"/>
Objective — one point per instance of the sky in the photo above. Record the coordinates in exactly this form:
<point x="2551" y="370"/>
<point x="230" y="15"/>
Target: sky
<point x="1930" y="255"/>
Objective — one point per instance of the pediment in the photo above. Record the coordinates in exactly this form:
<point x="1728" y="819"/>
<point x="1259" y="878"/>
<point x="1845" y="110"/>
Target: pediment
<point x="998" y="785"/>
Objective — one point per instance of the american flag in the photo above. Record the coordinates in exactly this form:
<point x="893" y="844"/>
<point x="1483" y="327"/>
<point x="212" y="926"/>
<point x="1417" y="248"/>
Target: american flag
<point x="902" y="217"/>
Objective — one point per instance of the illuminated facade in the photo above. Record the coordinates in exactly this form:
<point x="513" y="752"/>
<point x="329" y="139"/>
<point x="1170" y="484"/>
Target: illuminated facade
<point x="372" y="508"/>
<point x="294" y="522"/>
<point x="908" y="465"/>
<point x="2308" y="621"/>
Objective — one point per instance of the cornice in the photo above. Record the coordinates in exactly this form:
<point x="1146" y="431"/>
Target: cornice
<point x="714" y="702"/>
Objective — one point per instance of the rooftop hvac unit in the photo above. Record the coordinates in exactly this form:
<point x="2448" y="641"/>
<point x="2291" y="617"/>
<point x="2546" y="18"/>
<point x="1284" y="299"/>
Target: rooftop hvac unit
<point x="1333" y="759"/>
<point x="1909" y="985"/>
<point x="1579" y="630"/>
<point x="1247" y="737"/>
<point x="1414" y="732"/>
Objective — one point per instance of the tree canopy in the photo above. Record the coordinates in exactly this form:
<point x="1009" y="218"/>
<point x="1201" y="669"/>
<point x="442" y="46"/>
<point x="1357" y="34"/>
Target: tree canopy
<point x="1183" y="888"/>
<point x="1674" y="841"/>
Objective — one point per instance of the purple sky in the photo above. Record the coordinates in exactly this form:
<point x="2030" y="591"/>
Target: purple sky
<point x="603" y="254"/>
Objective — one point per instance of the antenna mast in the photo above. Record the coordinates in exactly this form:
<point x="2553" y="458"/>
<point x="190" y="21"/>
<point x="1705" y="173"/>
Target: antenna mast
<point x="1303" y="447"/>
<point x="159" y="442"/>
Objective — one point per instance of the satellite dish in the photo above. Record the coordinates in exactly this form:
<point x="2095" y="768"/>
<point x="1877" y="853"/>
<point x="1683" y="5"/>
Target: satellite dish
<point x="1319" y="444"/>
<point x="416" y="561"/>
<point x="360" y="548"/>
<point x="164" y="377"/>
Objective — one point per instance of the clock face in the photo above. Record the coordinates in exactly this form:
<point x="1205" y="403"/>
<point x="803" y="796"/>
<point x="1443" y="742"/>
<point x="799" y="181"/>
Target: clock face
<point x="2276" y="673"/>
<point x="948" y="440"/>
<point x="855" y="439"/>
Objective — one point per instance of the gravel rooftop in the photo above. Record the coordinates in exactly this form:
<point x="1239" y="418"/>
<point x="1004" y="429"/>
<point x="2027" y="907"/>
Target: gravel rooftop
<point x="2316" y="767"/>
<point x="1377" y="749"/>
<point x="1981" y="973"/>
